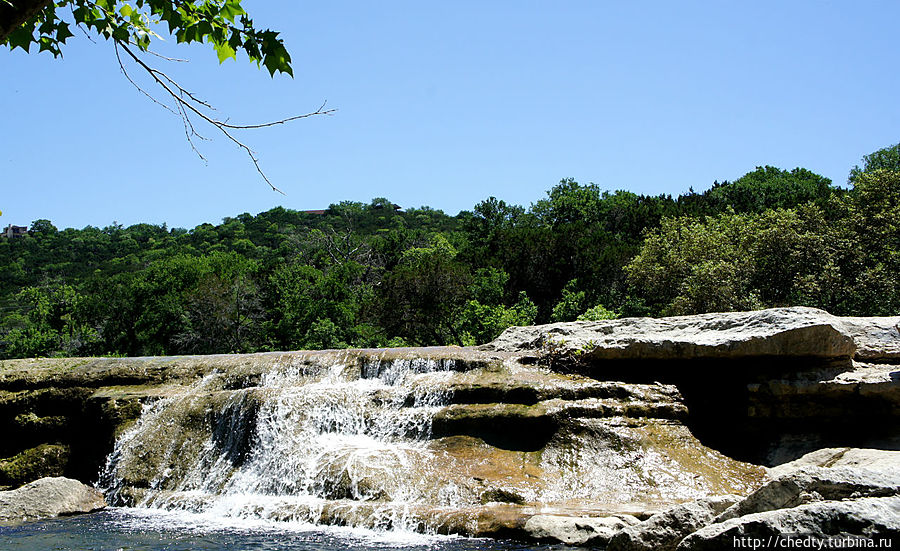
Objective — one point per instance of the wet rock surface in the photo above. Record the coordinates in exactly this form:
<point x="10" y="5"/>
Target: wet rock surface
<point x="49" y="497"/>
<point x="552" y="432"/>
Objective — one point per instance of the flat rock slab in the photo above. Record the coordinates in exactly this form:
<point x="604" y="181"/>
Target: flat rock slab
<point x="885" y="461"/>
<point x="49" y="497"/>
<point x="783" y="332"/>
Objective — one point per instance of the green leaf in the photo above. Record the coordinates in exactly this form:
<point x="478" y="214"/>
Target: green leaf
<point x="231" y="9"/>
<point x="224" y="51"/>
<point x="82" y="14"/>
<point x="49" y="45"/>
<point x="63" y="32"/>
<point x="222" y="23"/>
<point x="121" y="33"/>
<point x="276" y="57"/>
<point x="21" y="38"/>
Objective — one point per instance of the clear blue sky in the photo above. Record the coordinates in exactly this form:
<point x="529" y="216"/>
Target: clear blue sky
<point x="445" y="104"/>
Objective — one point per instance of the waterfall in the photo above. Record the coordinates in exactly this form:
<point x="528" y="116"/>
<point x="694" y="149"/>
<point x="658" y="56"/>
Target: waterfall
<point x="323" y="440"/>
<point x="397" y="440"/>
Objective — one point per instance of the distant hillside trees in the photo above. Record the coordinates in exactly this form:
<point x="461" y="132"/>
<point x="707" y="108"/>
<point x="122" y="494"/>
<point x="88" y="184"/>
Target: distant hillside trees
<point x="372" y="275"/>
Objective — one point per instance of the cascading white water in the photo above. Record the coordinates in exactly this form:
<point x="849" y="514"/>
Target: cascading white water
<point x="304" y="444"/>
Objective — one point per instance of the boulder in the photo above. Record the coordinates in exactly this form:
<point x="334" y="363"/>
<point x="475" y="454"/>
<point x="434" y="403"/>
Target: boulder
<point x="664" y="530"/>
<point x="577" y="530"/>
<point x="811" y="484"/>
<point x="872" y="518"/>
<point x="784" y="332"/>
<point x="49" y="497"/>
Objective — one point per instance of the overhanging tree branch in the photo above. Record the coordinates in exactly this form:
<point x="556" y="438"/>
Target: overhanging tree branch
<point x="130" y="24"/>
<point x="187" y="103"/>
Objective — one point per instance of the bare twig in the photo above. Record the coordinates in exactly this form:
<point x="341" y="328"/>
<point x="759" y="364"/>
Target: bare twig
<point x="187" y="103"/>
<point x="159" y="55"/>
<point x="141" y="90"/>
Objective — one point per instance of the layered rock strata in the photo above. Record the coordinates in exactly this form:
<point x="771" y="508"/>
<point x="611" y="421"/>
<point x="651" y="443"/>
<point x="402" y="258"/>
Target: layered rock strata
<point x="764" y="386"/>
<point x="565" y="432"/>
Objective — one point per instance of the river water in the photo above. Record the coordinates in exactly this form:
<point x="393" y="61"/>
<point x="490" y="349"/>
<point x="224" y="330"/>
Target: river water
<point x="124" y="529"/>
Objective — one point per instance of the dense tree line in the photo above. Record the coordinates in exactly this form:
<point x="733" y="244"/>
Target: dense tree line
<point x="370" y="275"/>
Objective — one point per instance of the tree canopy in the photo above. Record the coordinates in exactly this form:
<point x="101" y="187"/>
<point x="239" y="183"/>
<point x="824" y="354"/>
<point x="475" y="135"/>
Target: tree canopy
<point x="370" y="275"/>
<point x="886" y="158"/>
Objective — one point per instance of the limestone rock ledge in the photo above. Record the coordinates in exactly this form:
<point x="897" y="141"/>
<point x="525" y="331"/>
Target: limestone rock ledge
<point x="49" y="497"/>
<point x="554" y="432"/>
<point x="783" y="332"/>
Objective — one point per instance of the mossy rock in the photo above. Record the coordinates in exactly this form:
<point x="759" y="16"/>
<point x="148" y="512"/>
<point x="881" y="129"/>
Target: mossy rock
<point x="34" y="463"/>
<point x="30" y="422"/>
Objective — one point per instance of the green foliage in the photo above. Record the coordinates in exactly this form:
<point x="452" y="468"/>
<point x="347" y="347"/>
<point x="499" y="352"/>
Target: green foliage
<point x="420" y="296"/>
<point x="742" y="262"/>
<point x="480" y="323"/>
<point x="597" y="313"/>
<point x="372" y="275"/>
<point x="489" y="284"/>
<point x="221" y="23"/>
<point x="572" y="303"/>
<point x="51" y="322"/>
<point x="874" y="216"/>
<point x="886" y="158"/>
<point x="569" y="202"/>
<point x="769" y="188"/>
<point x="222" y="306"/>
<point x="696" y="265"/>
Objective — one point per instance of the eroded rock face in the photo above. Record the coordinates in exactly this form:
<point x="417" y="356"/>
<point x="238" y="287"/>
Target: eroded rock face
<point x="423" y="447"/>
<point x="877" y="339"/>
<point x="41" y="461"/>
<point x="825" y="493"/>
<point x="49" y="497"/>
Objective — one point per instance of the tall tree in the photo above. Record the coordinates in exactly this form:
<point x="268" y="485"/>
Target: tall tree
<point x="769" y="188"/>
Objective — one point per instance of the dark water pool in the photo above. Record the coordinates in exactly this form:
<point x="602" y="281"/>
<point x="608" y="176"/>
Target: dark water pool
<point x="137" y="530"/>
